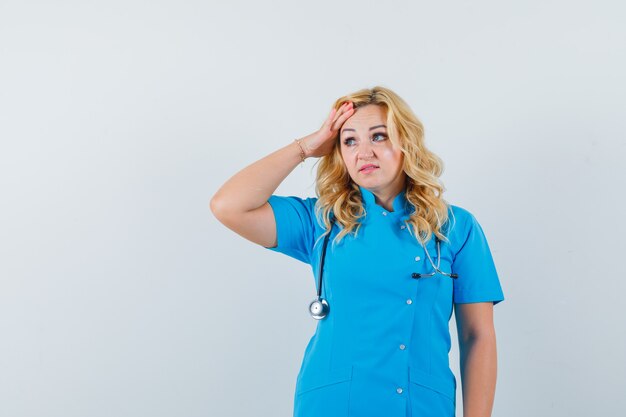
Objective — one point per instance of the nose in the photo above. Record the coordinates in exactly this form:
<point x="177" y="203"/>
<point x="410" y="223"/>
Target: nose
<point x="365" y="151"/>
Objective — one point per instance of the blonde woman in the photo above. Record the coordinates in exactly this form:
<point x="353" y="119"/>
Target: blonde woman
<point x="401" y="260"/>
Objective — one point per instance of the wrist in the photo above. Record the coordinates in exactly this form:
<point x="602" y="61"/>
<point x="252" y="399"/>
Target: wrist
<point x="304" y="150"/>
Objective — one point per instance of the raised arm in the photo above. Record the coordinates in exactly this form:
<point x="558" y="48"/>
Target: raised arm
<point x="241" y="203"/>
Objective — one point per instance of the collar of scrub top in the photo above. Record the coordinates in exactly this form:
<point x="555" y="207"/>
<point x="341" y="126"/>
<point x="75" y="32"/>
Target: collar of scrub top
<point x="403" y="210"/>
<point x="400" y="204"/>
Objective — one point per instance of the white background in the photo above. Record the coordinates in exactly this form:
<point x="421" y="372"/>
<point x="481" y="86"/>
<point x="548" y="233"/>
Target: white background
<point x="122" y="295"/>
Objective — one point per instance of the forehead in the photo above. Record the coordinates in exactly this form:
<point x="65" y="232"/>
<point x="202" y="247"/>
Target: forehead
<point x="366" y="117"/>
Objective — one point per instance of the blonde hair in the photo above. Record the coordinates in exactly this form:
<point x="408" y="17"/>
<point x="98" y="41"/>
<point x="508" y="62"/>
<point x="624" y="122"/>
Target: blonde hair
<point x="338" y="193"/>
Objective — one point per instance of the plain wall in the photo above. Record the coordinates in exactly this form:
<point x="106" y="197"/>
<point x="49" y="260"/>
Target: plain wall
<point x="121" y="294"/>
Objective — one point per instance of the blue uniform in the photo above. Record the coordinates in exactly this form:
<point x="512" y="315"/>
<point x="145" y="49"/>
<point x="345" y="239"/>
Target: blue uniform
<point x="382" y="350"/>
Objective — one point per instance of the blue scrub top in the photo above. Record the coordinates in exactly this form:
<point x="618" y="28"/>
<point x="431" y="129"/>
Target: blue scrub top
<point x="383" y="347"/>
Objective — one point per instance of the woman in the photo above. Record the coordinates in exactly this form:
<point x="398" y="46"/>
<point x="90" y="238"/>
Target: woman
<point x="382" y="347"/>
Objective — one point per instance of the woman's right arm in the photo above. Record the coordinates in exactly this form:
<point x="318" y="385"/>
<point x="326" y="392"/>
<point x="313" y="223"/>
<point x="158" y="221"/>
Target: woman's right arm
<point x="241" y="203"/>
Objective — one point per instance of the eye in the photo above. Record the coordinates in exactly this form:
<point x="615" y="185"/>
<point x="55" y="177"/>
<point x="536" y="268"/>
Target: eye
<point x="347" y="141"/>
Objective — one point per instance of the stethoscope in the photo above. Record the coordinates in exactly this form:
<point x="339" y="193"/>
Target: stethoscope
<point x="319" y="307"/>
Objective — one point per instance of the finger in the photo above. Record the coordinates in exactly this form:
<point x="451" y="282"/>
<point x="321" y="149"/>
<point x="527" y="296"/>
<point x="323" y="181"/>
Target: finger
<point x="334" y="113"/>
<point x="342" y="109"/>
<point x="329" y="119"/>
<point x="344" y="116"/>
<point x="328" y="124"/>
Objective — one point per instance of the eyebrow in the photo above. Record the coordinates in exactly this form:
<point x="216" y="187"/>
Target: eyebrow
<point x="371" y="128"/>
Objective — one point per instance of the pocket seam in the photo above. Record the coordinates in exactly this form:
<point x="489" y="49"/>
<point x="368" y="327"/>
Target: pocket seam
<point x="426" y="381"/>
<point x="335" y="376"/>
<point x="438" y="391"/>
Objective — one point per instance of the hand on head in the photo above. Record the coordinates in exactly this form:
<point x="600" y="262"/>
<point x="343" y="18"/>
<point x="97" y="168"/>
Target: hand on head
<point x="321" y="143"/>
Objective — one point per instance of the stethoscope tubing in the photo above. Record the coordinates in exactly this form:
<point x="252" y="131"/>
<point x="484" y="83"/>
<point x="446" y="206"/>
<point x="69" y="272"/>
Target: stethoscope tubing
<point x="436" y="268"/>
<point x="319" y="307"/>
<point x="321" y="268"/>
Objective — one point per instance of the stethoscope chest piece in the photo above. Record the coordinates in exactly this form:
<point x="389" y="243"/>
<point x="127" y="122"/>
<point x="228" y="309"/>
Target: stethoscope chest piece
<point x="319" y="308"/>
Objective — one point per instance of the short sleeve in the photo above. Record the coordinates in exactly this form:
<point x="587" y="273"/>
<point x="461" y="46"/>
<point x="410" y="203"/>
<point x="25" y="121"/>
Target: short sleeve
<point x="294" y="226"/>
<point x="477" y="276"/>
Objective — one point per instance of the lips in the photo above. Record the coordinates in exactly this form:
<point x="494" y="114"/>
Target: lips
<point x="365" y="167"/>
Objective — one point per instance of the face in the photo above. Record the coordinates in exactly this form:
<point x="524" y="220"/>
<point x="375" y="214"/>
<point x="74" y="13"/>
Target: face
<point x="365" y="141"/>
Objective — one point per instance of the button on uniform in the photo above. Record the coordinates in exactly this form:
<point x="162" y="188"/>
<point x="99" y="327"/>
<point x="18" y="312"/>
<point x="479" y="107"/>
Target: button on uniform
<point x="354" y="344"/>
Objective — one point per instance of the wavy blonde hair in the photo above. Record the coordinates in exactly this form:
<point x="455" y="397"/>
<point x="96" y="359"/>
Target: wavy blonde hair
<point x="339" y="194"/>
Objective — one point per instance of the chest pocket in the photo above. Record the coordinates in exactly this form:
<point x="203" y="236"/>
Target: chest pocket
<point x="436" y="288"/>
<point x="445" y="264"/>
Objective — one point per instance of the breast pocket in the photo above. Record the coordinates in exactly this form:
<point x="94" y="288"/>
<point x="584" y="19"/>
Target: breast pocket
<point x="437" y="287"/>
<point x="430" y="395"/>
<point x="324" y="394"/>
<point x="445" y="264"/>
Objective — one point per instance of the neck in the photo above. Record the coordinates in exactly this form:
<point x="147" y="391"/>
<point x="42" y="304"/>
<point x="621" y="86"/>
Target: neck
<point x="386" y="202"/>
<point x="386" y="199"/>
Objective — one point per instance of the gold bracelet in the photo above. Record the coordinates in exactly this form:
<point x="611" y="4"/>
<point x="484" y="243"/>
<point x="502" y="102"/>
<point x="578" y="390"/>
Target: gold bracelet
<point x="302" y="154"/>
